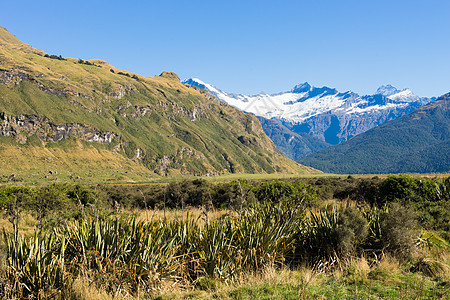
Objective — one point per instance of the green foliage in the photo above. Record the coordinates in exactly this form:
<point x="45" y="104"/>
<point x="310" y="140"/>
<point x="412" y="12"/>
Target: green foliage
<point x="85" y="62"/>
<point x="10" y="194"/>
<point x="83" y="194"/>
<point x="36" y="264"/>
<point x="180" y="194"/>
<point x="429" y="197"/>
<point x="50" y="204"/>
<point x="332" y="233"/>
<point x="141" y="254"/>
<point x="268" y="227"/>
<point x="275" y="191"/>
<point x="52" y="56"/>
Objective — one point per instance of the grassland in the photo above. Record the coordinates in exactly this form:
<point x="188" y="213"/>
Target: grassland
<point x="270" y="239"/>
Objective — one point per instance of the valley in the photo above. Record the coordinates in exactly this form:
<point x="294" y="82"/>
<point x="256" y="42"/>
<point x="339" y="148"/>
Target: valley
<point x="115" y="185"/>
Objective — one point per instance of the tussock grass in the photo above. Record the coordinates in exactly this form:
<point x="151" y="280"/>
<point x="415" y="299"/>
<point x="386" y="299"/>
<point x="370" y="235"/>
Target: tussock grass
<point x="83" y="289"/>
<point x="387" y="268"/>
<point x="201" y="215"/>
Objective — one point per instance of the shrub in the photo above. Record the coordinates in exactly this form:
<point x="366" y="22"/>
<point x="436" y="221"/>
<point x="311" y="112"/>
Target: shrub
<point x="429" y="197"/>
<point x="333" y="233"/>
<point x="277" y="190"/>
<point x="397" y="226"/>
<point x="352" y="229"/>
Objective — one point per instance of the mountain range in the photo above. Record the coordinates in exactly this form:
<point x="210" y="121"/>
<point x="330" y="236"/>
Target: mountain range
<point x="89" y="120"/>
<point x="418" y="142"/>
<point x="307" y="119"/>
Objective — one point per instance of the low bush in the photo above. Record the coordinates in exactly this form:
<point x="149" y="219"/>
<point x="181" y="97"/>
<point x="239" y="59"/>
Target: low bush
<point x="398" y="230"/>
<point x="335" y="233"/>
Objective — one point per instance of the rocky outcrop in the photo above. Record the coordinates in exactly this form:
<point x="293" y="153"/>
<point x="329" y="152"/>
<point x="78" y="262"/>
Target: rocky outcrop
<point x="122" y="91"/>
<point x="12" y="77"/>
<point x="82" y="132"/>
<point x="23" y="126"/>
<point x="141" y="112"/>
<point x="194" y="114"/>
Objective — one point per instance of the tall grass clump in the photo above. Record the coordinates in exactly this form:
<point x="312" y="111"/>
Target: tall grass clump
<point x="121" y="250"/>
<point x="124" y="256"/>
<point x="36" y="265"/>
<point x="332" y="234"/>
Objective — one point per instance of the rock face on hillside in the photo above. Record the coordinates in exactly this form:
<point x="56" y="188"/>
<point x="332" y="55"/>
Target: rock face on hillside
<point x="293" y="145"/>
<point x="24" y="126"/>
<point x="156" y="122"/>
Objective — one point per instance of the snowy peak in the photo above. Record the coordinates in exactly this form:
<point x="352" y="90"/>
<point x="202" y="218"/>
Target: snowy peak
<point x="305" y="101"/>
<point x="387" y="90"/>
<point x="322" y="112"/>
<point x="195" y="81"/>
<point x="302" y="88"/>
<point x="405" y="95"/>
<point x="198" y="83"/>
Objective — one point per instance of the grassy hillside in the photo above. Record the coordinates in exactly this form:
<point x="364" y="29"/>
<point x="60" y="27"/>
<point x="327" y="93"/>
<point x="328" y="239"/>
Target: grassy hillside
<point x="113" y="115"/>
<point x="417" y="142"/>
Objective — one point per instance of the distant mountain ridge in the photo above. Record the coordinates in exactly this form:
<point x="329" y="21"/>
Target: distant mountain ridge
<point x="323" y="113"/>
<point x="418" y="142"/>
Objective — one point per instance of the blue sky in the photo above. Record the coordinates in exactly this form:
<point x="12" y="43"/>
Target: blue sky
<point x="251" y="46"/>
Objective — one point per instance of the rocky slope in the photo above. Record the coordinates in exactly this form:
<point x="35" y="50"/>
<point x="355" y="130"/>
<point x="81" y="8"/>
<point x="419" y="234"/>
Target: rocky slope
<point x="154" y="124"/>
<point x="291" y="144"/>
<point x="418" y="142"/>
<point x="322" y="113"/>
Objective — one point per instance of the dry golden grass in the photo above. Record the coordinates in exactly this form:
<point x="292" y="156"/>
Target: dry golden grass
<point x="83" y="289"/>
<point x="213" y="289"/>
<point x="27" y="224"/>
<point x="386" y="269"/>
<point x="172" y="214"/>
<point x="88" y="163"/>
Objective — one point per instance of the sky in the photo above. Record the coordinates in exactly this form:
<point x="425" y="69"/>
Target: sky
<point x="251" y="46"/>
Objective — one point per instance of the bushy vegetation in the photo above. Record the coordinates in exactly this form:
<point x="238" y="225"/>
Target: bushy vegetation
<point x="86" y="62"/>
<point x="52" y="56"/>
<point x="84" y="234"/>
<point x="429" y="197"/>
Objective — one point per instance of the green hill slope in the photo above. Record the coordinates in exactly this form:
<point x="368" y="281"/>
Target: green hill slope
<point x="417" y="142"/>
<point x="69" y="116"/>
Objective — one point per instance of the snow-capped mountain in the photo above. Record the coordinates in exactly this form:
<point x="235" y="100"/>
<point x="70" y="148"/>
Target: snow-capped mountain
<point x="302" y="102"/>
<point x="323" y="113"/>
<point x="405" y="95"/>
